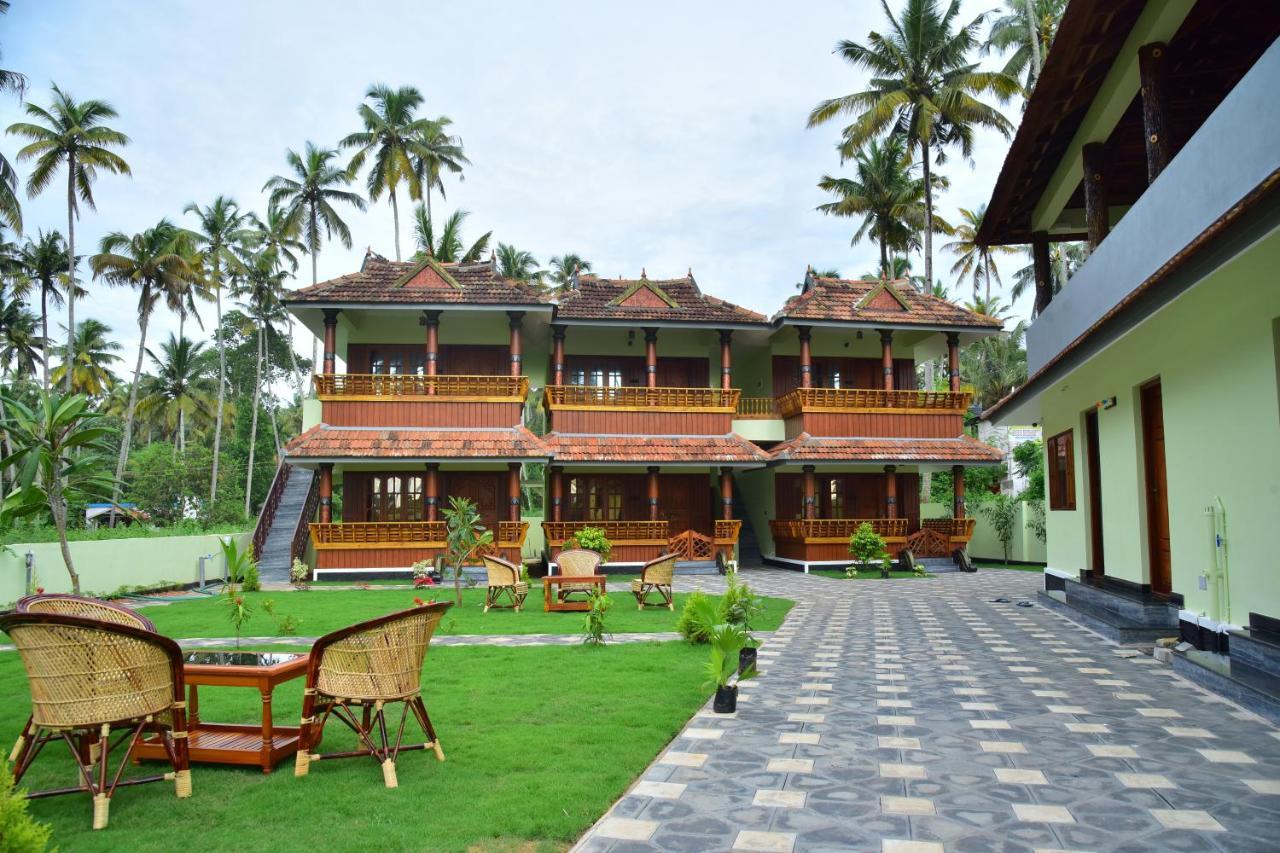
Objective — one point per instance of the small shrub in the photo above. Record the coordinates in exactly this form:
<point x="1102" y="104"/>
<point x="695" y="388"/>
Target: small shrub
<point x="886" y="565"/>
<point x="593" y="539"/>
<point x="739" y="604"/>
<point x="299" y="574"/>
<point x="851" y="571"/>
<point x="1036" y="524"/>
<point x="238" y="610"/>
<point x="698" y="618"/>
<point x="865" y="544"/>
<point x="249" y="578"/>
<point x="19" y="831"/>
<point x="241" y="568"/>
<point x="421" y="571"/>
<point x="726" y="642"/>
<point x="1002" y="512"/>
<point x="288" y="625"/>
<point x="594" y="631"/>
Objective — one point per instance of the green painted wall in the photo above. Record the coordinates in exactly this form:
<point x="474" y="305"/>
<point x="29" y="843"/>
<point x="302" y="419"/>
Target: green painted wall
<point x="985" y="545"/>
<point x="1215" y="352"/>
<point x="754" y="490"/>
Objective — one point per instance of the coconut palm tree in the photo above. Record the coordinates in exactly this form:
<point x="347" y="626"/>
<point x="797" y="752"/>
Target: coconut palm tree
<point x="923" y="88"/>
<point x="180" y="393"/>
<point x="995" y="365"/>
<point x="974" y="261"/>
<point x="1064" y="260"/>
<point x="95" y="352"/>
<point x="438" y="152"/>
<point x="518" y="265"/>
<point x="154" y="263"/>
<point x="276" y="232"/>
<point x="562" y="269"/>
<point x="42" y="267"/>
<point x="20" y="347"/>
<point x="448" y="248"/>
<point x="1024" y="29"/>
<point x="71" y="133"/>
<point x="10" y="208"/>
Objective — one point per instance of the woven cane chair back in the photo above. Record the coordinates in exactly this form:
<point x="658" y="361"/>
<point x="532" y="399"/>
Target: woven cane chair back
<point x="578" y="562"/>
<point x="378" y="659"/>
<point x="500" y="572"/>
<point x="660" y="570"/>
<point x="88" y="608"/>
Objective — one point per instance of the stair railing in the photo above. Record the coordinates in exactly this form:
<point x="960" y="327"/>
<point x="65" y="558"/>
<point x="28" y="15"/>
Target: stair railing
<point x="267" y="515"/>
<point x="303" y="531"/>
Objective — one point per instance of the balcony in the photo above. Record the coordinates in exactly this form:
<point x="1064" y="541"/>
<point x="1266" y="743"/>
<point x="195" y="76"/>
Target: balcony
<point x="640" y="410"/>
<point x="826" y="540"/>
<point x="872" y="401"/>
<point x="867" y="412"/>
<point x="409" y="400"/>
<point x="398" y="544"/>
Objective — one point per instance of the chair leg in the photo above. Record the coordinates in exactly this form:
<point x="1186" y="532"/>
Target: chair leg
<point x="20" y="745"/>
<point x="420" y="711"/>
<point x="302" y="759"/>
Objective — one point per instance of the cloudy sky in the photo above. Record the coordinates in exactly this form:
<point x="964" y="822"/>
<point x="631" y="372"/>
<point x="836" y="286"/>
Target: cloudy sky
<point x="663" y="135"/>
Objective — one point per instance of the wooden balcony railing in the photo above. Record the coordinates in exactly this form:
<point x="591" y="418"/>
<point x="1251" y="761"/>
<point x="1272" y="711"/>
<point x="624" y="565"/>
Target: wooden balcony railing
<point x="401" y="534"/>
<point x="871" y="400"/>
<point x="727" y="530"/>
<point x="617" y="532"/>
<point x="364" y="386"/>
<point x="757" y="408"/>
<point x="954" y="527"/>
<point x="840" y="529"/>
<point x="591" y="397"/>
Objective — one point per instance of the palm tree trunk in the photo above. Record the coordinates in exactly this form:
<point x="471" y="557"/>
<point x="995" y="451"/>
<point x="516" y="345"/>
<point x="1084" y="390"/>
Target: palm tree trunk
<point x="428" y="189"/>
<point x="5" y="450"/>
<point x="271" y="409"/>
<point x="222" y="386"/>
<point x="59" y="511"/>
<point x="928" y="219"/>
<point x="44" y="332"/>
<point x="71" y="271"/>
<point x="133" y="401"/>
<point x="395" y="218"/>
<point x="884" y="259"/>
<point x="253" y="428"/>
<point x="315" y="250"/>
<point x="293" y="359"/>
<point x="1034" y="28"/>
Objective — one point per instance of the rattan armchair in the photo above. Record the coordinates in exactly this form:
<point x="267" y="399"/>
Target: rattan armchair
<point x="88" y="677"/>
<point x="368" y="666"/>
<point x="656" y="576"/>
<point x="78" y="605"/>
<point x="577" y="562"/>
<point x="504" y="581"/>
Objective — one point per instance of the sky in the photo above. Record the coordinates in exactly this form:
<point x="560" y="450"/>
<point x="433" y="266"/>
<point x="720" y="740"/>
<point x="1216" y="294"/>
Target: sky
<point x="661" y="135"/>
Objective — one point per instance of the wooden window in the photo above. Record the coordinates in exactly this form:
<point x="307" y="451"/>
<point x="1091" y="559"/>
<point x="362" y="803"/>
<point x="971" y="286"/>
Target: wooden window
<point x="395" y="497"/>
<point x="835" y="497"/>
<point x="1061" y="471"/>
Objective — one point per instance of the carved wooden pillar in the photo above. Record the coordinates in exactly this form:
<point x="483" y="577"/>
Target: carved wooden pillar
<point x="516" y="318"/>
<point x="653" y="493"/>
<point x="431" y="491"/>
<point x="1043" y="275"/>
<point x="890" y="491"/>
<point x="513" y="491"/>
<point x="1095" y="192"/>
<point x="557" y="354"/>
<point x="806" y="357"/>
<point x="886" y="357"/>
<point x="957" y="491"/>
<point x="726" y="359"/>
<point x="651" y="358"/>
<point x="1153" y="73"/>
<point x="557" y="493"/>
<point x="953" y="361"/>
<point x="331" y="340"/>
<point x="431" y="319"/>
<point x="726" y="494"/>
<point x="326" y="492"/>
<point x="810" y="492"/>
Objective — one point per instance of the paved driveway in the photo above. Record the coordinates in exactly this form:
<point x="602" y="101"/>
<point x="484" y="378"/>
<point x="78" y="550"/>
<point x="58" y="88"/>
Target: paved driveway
<point x="923" y="716"/>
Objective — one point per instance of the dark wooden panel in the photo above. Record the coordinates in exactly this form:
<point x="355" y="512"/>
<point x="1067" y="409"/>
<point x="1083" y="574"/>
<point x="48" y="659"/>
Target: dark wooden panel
<point x="832" y="372"/>
<point x="642" y="423"/>
<point x="876" y="425"/>
<point x="456" y="359"/>
<point x="387" y="558"/>
<point x="418" y="414"/>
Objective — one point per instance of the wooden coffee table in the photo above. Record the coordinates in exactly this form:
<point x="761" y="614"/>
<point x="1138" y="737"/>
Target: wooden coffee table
<point x="551" y="601"/>
<point x="232" y="743"/>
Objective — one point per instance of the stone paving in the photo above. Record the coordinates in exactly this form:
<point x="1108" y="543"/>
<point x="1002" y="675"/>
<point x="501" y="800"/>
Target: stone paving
<point x="921" y="716"/>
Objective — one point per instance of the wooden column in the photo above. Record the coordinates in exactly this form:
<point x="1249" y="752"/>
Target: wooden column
<point x="557" y="354"/>
<point x="1095" y="192"/>
<point x="886" y="357"/>
<point x="651" y="358"/>
<point x="953" y="361"/>
<point x="957" y="491"/>
<point x="806" y="357"/>
<point x="1154" y="76"/>
<point x="890" y="491"/>
<point x="1043" y="274"/>
<point x="326" y="492"/>
<point x="331" y="340"/>
<point x="431" y="492"/>
<point x="726" y="494"/>
<point x="431" y="319"/>
<point x="810" y="492"/>
<point x="557" y="493"/>
<point x="513" y="492"/>
<point x="516" y="318"/>
<point x="653" y="493"/>
<point x="726" y="359"/>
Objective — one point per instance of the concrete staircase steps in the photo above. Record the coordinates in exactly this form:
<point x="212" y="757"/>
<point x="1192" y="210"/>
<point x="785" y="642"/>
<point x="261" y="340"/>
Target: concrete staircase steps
<point x="275" y="560"/>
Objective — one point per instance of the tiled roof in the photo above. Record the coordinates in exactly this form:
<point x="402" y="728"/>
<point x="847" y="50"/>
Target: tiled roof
<point x="960" y="450"/>
<point x="731" y="449"/>
<point x="419" y="282"/>
<point x="663" y="300"/>
<point x="326" y="442"/>
<point x="891" y="303"/>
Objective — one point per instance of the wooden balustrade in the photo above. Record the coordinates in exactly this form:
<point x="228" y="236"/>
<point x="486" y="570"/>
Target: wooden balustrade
<point x="960" y="528"/>
<point x="591" y="397"/>
<point x="757" y="408"/>
<point x="870" y="400"/>
<point x="835" y="528"/>
<point x="727" y="530"/>
<point x="399" y="386"/>
<point x="557" y="532"/>
<point x="402" y="534"/>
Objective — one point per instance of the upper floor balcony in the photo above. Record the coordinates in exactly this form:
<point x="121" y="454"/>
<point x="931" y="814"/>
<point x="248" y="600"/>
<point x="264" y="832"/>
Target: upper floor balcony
<point x="641" y="410"/>
<point x="419" y="400"/>
<point x="874" y="412"/>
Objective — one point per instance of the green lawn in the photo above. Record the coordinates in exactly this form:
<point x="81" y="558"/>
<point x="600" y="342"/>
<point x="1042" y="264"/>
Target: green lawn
<point x="320" y="611"/>
<point x="539" y="742"/>
<point x="865" y="576"/>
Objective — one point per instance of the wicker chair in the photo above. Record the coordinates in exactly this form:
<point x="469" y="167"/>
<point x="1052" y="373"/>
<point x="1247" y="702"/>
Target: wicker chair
<point x="577" y="562"/>
<point x="656" y="576"/>
<point x="89" y="677"/>
<point x="88" y="608"/>
<point x="504" y="580"/>
<point x="368" y="666"/>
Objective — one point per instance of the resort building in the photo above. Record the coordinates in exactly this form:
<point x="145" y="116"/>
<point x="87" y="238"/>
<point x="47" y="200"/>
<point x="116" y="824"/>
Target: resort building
<point x="1152" y="134"/>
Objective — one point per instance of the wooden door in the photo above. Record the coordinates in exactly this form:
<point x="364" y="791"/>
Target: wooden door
<point x="481" y="488"/>
<point x="1157" y="489"/>
<point x="1093" y="460"/>
<point x="684" y="500"/>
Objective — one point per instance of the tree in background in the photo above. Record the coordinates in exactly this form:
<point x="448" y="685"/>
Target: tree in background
<point x="562" y="268"/>
<point x="974" y="261"/>
<point x="518" y="265"/>
<point x="180" y="394"/>
<point x="438" y="152"/>
<point x="260" y="289"/>
<point x="1024" y="29"/>
<point x="41" y="267"/>
<point x="1028" y="459"/>
<point x="448" y="247"/>
<point x="95" y="352"/>
<point x="464" y="536"/>
<point x="1064" y="260"/>
<point x="20" y="347"/>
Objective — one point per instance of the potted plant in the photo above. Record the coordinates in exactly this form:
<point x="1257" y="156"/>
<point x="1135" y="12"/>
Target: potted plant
<point x="866" y="545"/>
<point x="727" y="641"/>
<point x="886" y="563"/>
<point x="299" y="574"/>
<point x="593" y="539"/>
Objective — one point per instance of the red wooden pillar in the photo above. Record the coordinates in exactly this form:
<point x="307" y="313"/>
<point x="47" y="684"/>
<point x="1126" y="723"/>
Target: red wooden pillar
<point x="890" y="491"/>
<point x="516" y="318"/>
<point x="653" y="493"/>
<point x="1095" y="192"/>
<point x="726" y="494"/>
<point x="557" y="354"/>
<point x="557" y="493"/>
<point x="331" y="340"/>
<point x="431" y="491"/>
<point x="651" y="358"/>
<point x="1153" y="74"/>
<point x="810" y="492"/>
<point x="886" y="357"/>
<point x="431" y="319"/>
<point x="726" y="359"/>
<point x="806" y="357"/>
<point x="953" y="361"/>
<point x="326" y="492"/>
<point x="513" y="491"/>
<point x="957" y="489"/>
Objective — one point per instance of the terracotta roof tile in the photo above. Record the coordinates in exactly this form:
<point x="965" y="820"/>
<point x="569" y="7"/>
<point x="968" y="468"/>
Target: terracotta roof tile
<point x="837" y="299"/>
<point x="419" y="282"/>
<point x="326" y="442"/>
<point x="730" y="449"/>
<point x="961" y="450"/>
<point x="665" y="300"/>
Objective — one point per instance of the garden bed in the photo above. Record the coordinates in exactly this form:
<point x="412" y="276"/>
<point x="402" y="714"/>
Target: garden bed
<point x="872" y="575"/>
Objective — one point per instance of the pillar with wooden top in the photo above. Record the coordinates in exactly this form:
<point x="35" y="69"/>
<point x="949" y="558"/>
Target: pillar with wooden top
<point x="557" y="354"/>
<point x="1040" y="266"/>
<point x="953" y="361"/>
<point x="726" y="359"/>
<point x="1154" y="77"/>
<point x="516" y="318"/>
<point x="326" y="492"/>
<point x="810" y="492"/>
<point x="431" y="492"/>
<point x="331" y="340"/>
<point x="431" y="319"/>
<point x="726" y="494"/>
<point x="806" y="357"/>
<point x="513" y="491"/>
<point x="653" y="493"/>
<point x="957" y="491"/>
<point x="890" y="491"/>
<point x="1095" y="192"/>
<point x="651" y="358"/>
<point x="886" y="357"/>
<point x="557" y="493"/>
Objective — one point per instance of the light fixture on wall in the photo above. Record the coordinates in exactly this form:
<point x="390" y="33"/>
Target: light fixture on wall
<point x="1107" y="403"/>
<point x="631" y="337"/>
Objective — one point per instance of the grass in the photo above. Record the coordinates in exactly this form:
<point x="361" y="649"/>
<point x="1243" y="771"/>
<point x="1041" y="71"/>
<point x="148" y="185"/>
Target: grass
<point x="539" y="741"/>
<point x="865" y="576"/>
<point x="320" y="611"/>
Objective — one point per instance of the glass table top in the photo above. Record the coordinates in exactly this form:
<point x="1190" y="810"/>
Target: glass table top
<point x="239" y="658"/>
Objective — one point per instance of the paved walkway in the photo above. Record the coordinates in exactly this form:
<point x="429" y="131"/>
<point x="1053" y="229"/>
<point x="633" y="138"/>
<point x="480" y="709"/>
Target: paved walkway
<point x="918" y="716"/>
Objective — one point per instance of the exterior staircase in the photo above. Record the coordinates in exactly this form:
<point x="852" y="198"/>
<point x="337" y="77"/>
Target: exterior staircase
<point x="290" y="500"/>
<point x="748" y="544"/>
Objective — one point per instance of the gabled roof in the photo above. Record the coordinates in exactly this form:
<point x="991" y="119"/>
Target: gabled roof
<point x="731" y="449"/>
<point x="421" y="282"/>
<point x="962" y="450"/>
<point x="887" y="303"/>
<point x="323" y="442"/>
<point x="674" y="300"/>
